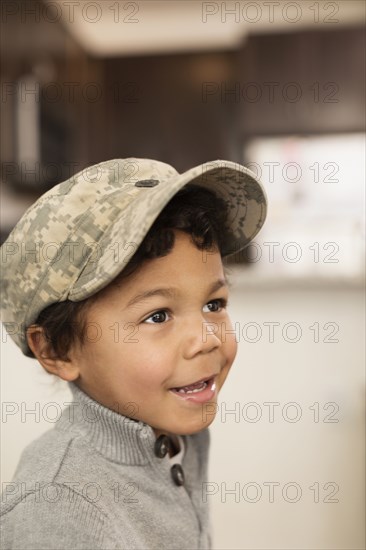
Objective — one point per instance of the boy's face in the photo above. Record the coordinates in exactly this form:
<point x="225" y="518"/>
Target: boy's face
<point x="136" y="353"/>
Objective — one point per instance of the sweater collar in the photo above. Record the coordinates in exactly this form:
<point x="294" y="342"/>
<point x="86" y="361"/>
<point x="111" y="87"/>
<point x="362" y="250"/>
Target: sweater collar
<point x="117" y="437"/>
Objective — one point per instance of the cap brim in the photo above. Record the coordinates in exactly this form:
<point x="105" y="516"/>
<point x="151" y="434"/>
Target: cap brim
<point x="242" y="192"/>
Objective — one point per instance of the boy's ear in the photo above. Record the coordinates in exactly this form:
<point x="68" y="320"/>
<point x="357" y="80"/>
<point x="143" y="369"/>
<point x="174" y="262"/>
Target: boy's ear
<point x="42" y="349"/>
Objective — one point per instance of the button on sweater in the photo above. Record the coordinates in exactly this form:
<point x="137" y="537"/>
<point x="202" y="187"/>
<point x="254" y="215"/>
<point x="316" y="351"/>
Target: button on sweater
<point x="94" y="482"/>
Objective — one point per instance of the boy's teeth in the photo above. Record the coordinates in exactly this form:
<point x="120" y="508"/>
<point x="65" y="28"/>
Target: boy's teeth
<point x="200" y="388"/>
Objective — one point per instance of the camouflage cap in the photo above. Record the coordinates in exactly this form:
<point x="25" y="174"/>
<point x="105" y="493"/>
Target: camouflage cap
<point x="78" y="236"/>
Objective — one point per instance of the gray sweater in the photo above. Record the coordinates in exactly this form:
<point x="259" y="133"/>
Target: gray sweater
<point x="94" y="481"/>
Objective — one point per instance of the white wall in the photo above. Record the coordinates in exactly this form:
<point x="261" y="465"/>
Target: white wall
<point x="303" y="453"/>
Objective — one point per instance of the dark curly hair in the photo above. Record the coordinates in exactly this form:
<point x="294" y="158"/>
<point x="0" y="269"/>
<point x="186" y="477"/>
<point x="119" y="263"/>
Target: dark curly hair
<point x="194" y="210"/>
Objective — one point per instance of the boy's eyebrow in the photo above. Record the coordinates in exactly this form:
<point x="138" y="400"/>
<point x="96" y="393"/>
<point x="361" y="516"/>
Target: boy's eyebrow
<point x="170" y="292"/>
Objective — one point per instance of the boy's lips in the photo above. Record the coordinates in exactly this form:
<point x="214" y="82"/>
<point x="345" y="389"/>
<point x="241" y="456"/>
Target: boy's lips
<point x="205" y="379"/>
<point x="199" y="392"/>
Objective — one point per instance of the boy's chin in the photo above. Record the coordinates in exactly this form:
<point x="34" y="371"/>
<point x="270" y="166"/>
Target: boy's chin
<point x="195" y="428"/>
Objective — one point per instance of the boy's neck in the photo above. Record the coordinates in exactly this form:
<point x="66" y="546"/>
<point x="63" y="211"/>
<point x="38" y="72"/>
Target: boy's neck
<point x="175" y="444"/>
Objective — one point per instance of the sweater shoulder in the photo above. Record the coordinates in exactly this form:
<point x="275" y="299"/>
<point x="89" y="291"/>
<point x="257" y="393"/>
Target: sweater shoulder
<point x="41" y="460"/>
<point x="53" y="517"/>
<point x="41" y="466"/>
<point x="41" y="509"/>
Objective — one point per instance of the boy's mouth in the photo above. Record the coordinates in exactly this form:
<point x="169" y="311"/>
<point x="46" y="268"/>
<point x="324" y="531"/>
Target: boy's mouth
<point x="200" y="391"/>
<point x="195" y="387"/>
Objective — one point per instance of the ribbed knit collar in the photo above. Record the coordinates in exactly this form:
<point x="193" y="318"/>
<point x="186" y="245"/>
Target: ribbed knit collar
<point x="117" y="437"/>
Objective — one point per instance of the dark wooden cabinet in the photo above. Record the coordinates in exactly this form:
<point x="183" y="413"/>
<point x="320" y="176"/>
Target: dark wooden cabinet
<point x="183" y="109"/>
<point x="310" y="82"/>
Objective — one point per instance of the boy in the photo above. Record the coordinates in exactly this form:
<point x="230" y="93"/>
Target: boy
<point x="125" y="299"/>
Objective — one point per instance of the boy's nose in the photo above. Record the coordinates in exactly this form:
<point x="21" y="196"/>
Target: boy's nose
<point x="201" y="336"/>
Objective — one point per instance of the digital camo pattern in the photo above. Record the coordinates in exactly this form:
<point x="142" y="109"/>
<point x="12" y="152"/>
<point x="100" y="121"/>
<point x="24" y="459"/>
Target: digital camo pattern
<point x="80" y="235"/>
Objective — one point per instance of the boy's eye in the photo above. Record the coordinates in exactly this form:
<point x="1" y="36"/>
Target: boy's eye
<point x="159" y="317"/>
<point x="219" y="304"/>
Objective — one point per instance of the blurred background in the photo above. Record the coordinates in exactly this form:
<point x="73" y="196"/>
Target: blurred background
<point x="279" y="87"/>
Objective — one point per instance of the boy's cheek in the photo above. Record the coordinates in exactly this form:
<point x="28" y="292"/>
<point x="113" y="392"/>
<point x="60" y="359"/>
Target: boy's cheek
<point x="230" y="350"/>
<point x="233" y="349"/>
<point x="229" y="338"/>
